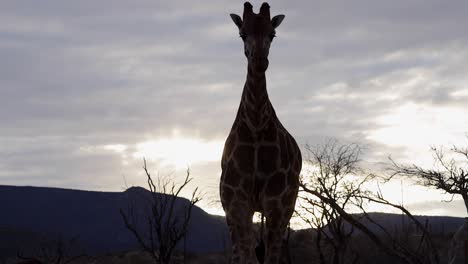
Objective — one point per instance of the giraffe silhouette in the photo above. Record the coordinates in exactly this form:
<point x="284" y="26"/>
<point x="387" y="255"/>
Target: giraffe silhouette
<point x="261" y="161"/>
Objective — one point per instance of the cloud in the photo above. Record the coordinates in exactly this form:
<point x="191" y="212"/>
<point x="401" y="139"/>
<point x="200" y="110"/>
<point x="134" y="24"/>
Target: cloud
<point x="83" y="75"/>
<point x="437" y="207"/>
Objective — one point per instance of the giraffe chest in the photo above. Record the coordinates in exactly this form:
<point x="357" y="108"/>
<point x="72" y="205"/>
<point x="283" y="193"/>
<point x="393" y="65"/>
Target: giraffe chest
<point x="260" y="152"/>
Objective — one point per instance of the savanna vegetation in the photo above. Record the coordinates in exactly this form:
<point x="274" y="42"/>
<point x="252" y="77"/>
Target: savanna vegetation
<point x="336" y="190"/>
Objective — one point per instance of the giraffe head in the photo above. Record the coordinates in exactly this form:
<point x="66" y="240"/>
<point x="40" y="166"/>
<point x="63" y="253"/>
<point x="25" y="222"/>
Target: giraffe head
<point x="257" y="32"/>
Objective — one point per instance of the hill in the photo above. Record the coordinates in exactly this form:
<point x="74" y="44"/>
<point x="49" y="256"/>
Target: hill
<point x="32" y="216"/>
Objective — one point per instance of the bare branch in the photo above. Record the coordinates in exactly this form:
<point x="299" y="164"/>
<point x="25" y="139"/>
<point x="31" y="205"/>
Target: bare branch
<point x="452" y="178"/>
<point x="335" y="185"/>
<point x="167" y="223"/>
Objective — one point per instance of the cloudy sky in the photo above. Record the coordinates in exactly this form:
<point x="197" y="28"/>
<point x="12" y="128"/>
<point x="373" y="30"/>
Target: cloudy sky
<point x="89" y="88"/>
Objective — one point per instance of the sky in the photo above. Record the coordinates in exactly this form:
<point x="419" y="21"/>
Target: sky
<point x="90" y="88"/>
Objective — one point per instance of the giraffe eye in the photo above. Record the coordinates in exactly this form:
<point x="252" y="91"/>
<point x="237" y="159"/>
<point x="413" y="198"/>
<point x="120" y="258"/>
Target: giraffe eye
<point x="243" y="36"/>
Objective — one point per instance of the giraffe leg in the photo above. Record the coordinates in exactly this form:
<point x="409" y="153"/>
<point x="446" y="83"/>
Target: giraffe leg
<point x="276" y="227"/>
<point x="239" y="220"/>
<point x="274" y="244"/>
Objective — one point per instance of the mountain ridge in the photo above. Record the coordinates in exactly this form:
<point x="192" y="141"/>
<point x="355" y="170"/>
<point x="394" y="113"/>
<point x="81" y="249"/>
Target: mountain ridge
<point x="93" y="218"/>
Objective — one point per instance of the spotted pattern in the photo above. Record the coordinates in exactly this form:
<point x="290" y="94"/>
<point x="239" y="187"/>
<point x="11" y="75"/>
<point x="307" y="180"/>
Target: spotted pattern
<point x="261" y="161"/>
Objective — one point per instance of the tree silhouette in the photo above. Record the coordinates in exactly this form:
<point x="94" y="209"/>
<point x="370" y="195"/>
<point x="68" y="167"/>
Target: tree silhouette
<point x="450" y="173"/>
<point x="166" y="226"/>
<point x="334" y="195"/>
<point x="55" y="251"/>
<point x="328" y="174"/>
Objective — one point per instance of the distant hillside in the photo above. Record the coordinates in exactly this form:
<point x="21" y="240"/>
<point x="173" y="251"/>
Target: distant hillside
<point x="436" y="224"/>
<point x="31" y="215"/>
<point x="304" y="248"/>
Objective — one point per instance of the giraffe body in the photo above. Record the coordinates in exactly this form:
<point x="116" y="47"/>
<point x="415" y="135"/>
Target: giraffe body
<point x="261" y="161"/>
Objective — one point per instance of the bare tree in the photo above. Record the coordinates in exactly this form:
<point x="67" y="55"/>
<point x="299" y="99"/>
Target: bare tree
<point x="329" y="171"/>
<point x="450" y="174"/>
<point x="166" y="226"/>
<point x="55" y="251"/>
<point x="335" y="187"/>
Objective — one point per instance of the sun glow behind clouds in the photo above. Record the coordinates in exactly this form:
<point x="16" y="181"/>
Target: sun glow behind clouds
<point x="417" y="127"/>
<point x="179" y="152"/>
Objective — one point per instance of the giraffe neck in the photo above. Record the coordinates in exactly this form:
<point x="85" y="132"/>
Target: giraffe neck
<point x="255" y="108"/>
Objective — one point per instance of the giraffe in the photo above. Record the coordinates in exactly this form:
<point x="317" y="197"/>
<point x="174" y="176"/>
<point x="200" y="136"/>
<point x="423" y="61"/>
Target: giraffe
<point x="261" y="161"/>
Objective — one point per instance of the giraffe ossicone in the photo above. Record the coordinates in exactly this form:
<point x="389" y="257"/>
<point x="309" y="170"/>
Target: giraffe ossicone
<point x="261" y="161"/>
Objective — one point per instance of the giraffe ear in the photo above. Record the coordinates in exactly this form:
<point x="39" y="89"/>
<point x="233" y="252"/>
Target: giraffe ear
<point x="237" y="20"/>
<point x="276" y="20"/>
